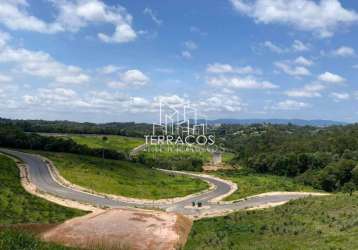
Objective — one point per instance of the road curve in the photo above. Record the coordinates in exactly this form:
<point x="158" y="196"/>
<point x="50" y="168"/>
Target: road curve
<point x="40" y="176"/>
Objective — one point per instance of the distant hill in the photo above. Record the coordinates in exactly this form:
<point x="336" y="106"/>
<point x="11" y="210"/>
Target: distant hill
<point x="298" y="122"/>
<point x="115" y="128"/>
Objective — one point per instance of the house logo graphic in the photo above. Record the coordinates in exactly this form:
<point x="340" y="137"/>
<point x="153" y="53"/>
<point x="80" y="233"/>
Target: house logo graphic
<point x="180" y="125"/>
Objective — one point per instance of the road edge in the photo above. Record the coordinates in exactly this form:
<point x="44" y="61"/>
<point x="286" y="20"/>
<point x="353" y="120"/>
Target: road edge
<point x="55" y="174"/>
<point x="25" y="180"/>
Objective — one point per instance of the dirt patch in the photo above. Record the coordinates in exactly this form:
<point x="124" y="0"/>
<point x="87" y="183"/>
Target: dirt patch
<point x="213" y="168"/>
<point x="123" y="229"/>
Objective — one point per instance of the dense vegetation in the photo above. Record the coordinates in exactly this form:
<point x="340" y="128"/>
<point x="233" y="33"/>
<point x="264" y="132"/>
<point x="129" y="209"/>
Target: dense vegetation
<point x="18" y="206"/>
<point x="123" y="177"/>
<point x="17" y="240"/>
<point x="114" y="128"/>
<point x="178" y="157"/>
<point x="15" y="138"/>
<point x="325" y="158"/>
<point x="171" y="157"/>
<point x="250" y="183"/>
<point x="329" y="222"/>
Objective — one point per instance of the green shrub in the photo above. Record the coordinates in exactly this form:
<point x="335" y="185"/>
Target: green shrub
<point x="16" y="240"/>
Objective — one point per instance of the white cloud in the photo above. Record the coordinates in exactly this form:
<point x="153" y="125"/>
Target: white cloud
<point x="4" y="38"/>
<point x="220" y="68"/>
<point x="130" y="78"/>
<point x="60" y="94"/>
<point x="72" y="15"/>
<point x="28" y="99"/>
<point x="186" y="54"/>
<point x="107" y="100"/>
<point x="109" y="69"/>
<point x="299" y="46"/>
<point x="63" y="99"/>
<point x="220" y="103"/>
<point x="292" y="70"/>
<point x="227" y="76"/>
<point x="123" y="34"/>
<point x="53" y="97"/>
<point x="247" y="82"/>
<point x="173" y="100"/>
<point x="41" y="64"/>
<point x="165" y="70"/>
<point x="303" y="61"/>
<point x="75" y="79"/>
<point x="197" y="30"/>
<point x="5" y="79"/>
<point x="217" y="102"/>
<point x="273" y="47"/>
<point x="323" y="17"/>
<point x="331" y="78"/>
<point x="290" y="105"/>
<point x="340" y="96"/>
<point x="14" y="16"/>
<point x="190" y="45"/>
<point x="117" y="84"/>
<point x="150" y="12"/>
<point x="138" y="102"/>
<point x="135" y="77"/>
<point x="309" y="90"/>
<point x="344" y="51"/>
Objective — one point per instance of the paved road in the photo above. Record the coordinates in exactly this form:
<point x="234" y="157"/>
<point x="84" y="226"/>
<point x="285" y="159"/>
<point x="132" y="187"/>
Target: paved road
<point x="41" y="177"/>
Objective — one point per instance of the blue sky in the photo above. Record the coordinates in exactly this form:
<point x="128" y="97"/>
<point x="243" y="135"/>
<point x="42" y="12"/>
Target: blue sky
<point x="100" y="61"/>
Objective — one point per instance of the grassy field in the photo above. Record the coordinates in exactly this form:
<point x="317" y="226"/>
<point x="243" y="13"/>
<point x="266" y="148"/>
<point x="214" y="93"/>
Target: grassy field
<point x="15" y="240"/>
<point x="18" y="206"/>
<point x="312" y="223"/>
<point x="126" y="144"/>
<point x="252" y="183"/>
<point x="115" y="142"/>
<point x="123" y="177"/>
<point x="227" y="157"/>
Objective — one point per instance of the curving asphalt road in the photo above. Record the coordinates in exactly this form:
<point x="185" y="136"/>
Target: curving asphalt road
<point x="40" y="176"/>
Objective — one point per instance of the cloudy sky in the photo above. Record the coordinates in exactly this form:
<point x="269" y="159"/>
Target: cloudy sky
<point x="113" y="60"/>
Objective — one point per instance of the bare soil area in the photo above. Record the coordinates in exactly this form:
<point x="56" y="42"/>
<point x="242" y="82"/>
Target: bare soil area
<point x="213" y="168"/>
<point x="123" y="229"/>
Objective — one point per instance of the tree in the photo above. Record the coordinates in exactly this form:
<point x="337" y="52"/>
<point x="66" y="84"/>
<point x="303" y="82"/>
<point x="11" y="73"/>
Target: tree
<point x="355" y="175"/>
<point x="349" y="187"/>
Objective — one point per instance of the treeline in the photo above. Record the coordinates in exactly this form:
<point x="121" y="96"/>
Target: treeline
<point x="173" y="163"/>
<point x="13" y="137"/>
<point x="125" y="129"/>
<point x="325" y="158"/>
<point x="320" y="170"/>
